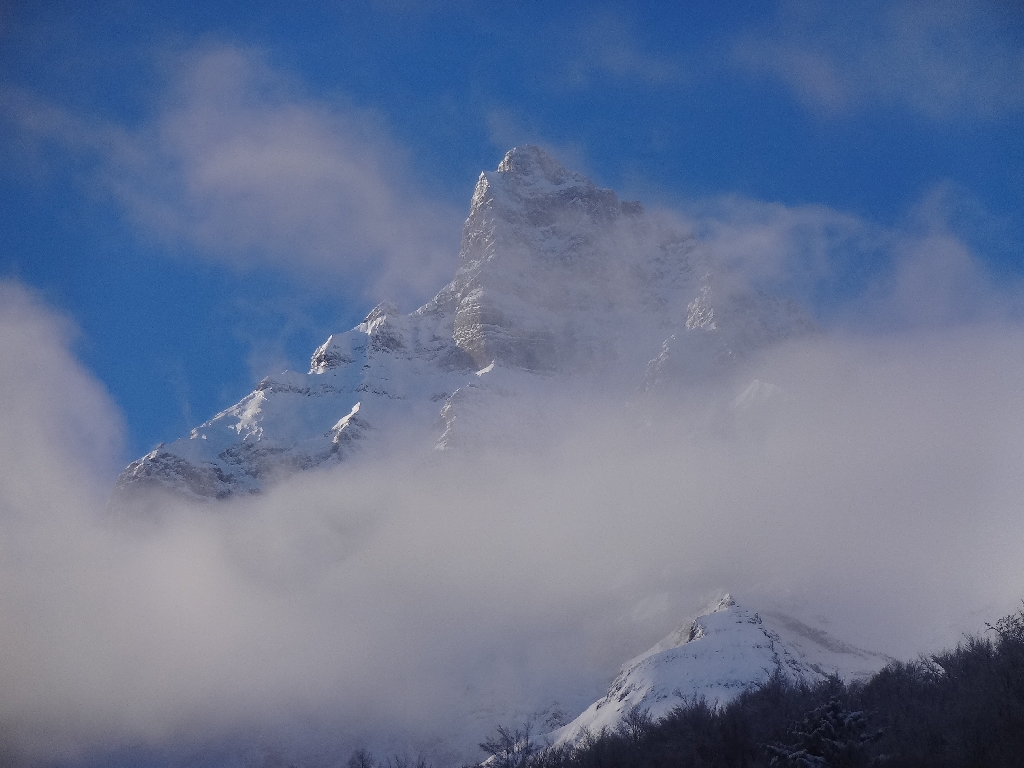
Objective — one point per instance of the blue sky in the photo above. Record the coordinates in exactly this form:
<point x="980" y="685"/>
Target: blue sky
<point x="209" y="191"/>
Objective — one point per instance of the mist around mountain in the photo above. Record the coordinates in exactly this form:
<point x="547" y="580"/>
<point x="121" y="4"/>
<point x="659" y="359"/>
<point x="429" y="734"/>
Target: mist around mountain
<point x="513" y="509"/>
<point x="958" y="707"/>
<point x="726" y="651"/>
<point x="562" y="292"/>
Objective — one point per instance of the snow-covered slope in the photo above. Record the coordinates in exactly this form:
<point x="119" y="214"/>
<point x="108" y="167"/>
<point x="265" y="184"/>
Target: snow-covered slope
<point x="390" y="370"/>
<point x="559" y="283"/>
<point x="715" y="657"/>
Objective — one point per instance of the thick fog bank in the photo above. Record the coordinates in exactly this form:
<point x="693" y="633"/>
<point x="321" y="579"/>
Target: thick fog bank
<point x="873" y="485"/>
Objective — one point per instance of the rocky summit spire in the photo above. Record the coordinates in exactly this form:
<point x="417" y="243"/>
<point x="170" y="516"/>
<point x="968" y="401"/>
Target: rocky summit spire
<point x="530" y="160"/>
<point x="540" y="243"/>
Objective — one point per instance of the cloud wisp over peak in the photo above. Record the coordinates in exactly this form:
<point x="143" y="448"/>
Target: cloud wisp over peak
<point x="236" y="163"/>
<point x="948" y="61"/>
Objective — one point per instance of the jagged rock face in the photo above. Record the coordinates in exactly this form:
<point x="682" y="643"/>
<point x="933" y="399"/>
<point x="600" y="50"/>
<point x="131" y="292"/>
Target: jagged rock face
<point x="385" y="371"/>
<point x="553" y="268"/>
<point x="716" y="657"/>
<point x="557" y="279"/>
<point x="529" y="219"/>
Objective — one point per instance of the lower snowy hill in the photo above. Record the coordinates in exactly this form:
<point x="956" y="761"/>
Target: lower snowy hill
<point x="716" y="657"/>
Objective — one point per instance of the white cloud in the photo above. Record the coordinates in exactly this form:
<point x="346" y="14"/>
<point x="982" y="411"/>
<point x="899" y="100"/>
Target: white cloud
<point x="880" y="490"/>
<point x="765" y="242"/>
<point x="236" y="162"/>
<point x="507" y="129"/>
<point x="941" y="58"/>
<point x="606" y="46"/>
<point x="853" y="273"/>
<point x="60" y="432"/>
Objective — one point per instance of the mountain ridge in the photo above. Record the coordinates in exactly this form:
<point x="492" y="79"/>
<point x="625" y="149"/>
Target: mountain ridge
<point x="556" y="278"/>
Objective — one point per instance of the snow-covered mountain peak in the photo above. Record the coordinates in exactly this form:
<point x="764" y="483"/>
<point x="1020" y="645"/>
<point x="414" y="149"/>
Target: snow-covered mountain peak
<point x="378" y="314"/>
<point x="531" y="190"/>
<point x="530" y="160"/>
<point x="726" y="650"/>
<point x="554" y="270"/>
<point x="528" y="172"/>
<point x="558" y="284"/>
<point x="724" y="603"/>
<point x="385" y="327"/>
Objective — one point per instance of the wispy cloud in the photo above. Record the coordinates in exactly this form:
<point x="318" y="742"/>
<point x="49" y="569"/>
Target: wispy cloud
<point x="773" y="243"/>
<point x="943" y="59"/>
<point x="923" y="272"/>
<point x="343" y="606"/>
<point x="607" y="46"/>
<point x="507" y="128"/>
<point x="54" y="415"/>
<point x="236" y="162"/>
